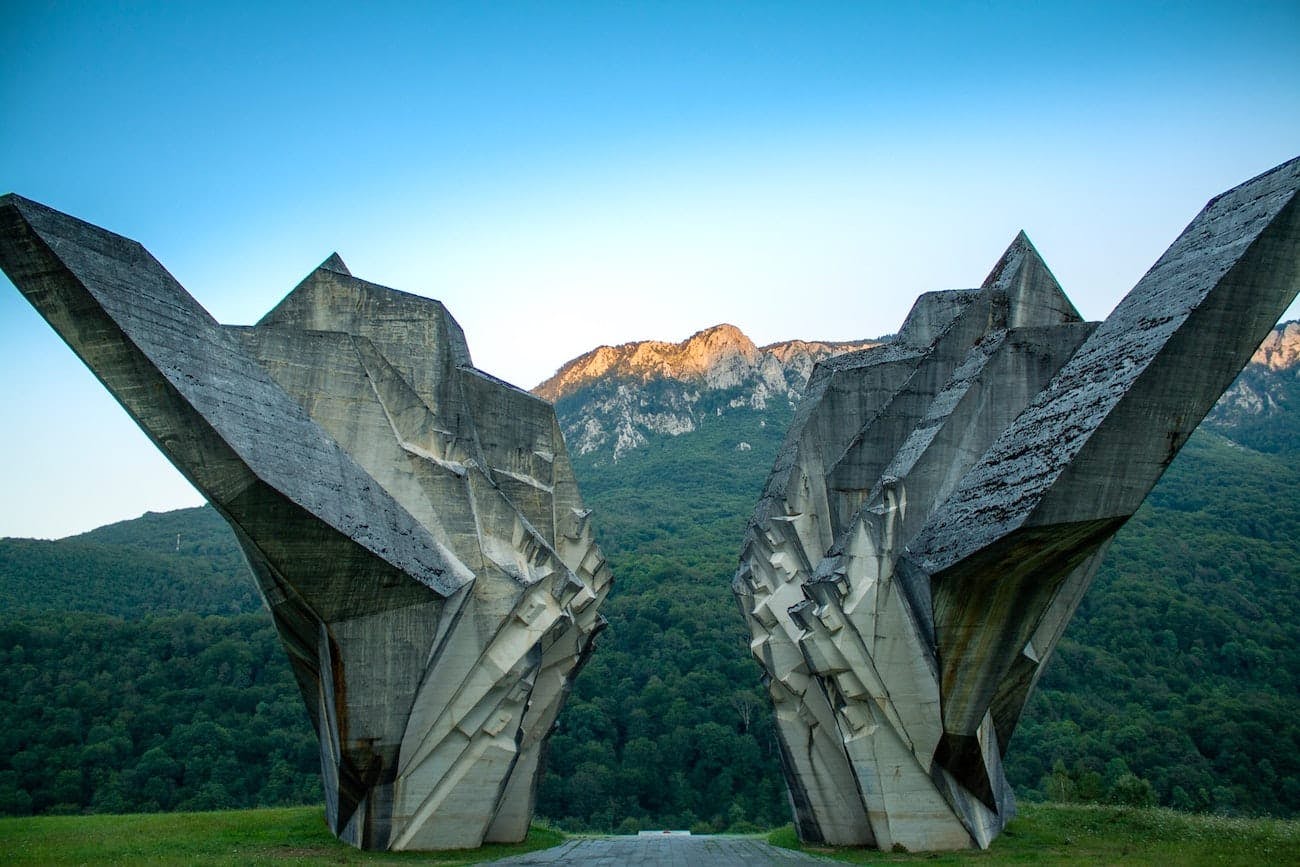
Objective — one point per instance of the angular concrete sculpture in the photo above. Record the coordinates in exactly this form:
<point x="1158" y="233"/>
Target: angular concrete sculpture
<point x="942" y="502"/>
<point x="414" y="524"/>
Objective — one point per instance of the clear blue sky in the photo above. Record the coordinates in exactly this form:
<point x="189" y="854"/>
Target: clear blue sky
<point x="563" y="175"/>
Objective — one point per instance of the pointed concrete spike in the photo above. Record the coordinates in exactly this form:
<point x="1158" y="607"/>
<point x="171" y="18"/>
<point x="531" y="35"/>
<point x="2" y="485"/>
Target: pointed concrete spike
<point x="335" y="263"/>
<point x="1011" y="257"/>
<point x="1035" y="297"/>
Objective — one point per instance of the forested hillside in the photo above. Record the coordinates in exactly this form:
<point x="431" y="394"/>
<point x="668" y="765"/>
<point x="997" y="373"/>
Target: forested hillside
<point x="155" y="713"/>
<point x="182" y="561"/>
<point x="141" y="674"/>
<point x="668" y="725"/>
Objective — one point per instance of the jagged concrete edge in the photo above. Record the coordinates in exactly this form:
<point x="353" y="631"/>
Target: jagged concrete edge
<point x="982" y="517"/>
<point x="56" y="239"/>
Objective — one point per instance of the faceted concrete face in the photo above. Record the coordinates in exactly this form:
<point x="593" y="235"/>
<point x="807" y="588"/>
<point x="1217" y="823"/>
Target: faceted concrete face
<point x="942" y="502"/>
<point x="414" y="524"/>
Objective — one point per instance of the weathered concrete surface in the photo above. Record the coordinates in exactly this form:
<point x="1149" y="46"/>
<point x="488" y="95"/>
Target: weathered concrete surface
<point x="942" y="502"/>
<point x="414" y="524"/>
<point x="684" y="851"/>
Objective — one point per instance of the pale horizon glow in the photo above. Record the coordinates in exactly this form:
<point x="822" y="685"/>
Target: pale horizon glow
<point x="567" y="176"/>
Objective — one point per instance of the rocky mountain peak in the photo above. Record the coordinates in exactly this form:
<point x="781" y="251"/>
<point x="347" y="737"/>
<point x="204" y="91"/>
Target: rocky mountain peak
<point x="613" y="399"/>
<point x="1267" y="389"/>
<point x="718" y="357"/>
<point x="1281" y="349"/>
<point x="713" y="343"/>
<point x="713" y="372"/>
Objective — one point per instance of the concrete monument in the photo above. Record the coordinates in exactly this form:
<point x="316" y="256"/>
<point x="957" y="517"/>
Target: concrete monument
<point x="414" y="524"/>
<point x="942" y="502"/>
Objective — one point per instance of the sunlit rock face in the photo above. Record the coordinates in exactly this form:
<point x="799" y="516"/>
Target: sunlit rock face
<point x="414" y="524"/>
<point x="942" y="502"/>
<point x="1267" y="389"/>
<point x="1281" y="349"/>
<point x="616" y="399"/>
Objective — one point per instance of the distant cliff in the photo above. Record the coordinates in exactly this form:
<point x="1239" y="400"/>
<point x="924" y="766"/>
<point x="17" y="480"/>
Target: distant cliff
<point x="1280" y="350"/>
<point x="614" y="397"/>
<point x="1269" y="388"/>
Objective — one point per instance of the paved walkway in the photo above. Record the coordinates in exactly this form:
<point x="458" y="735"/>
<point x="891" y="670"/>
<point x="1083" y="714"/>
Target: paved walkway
<point x="666" y="851"/>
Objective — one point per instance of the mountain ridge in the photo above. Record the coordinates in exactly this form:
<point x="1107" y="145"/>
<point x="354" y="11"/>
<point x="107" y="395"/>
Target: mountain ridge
<point x="1281" y="349"/>
<point x="614" y="400"/>
<point x="701" y="353"/>
<point x="1266" y="391"/>
<point x="708" y="354"/>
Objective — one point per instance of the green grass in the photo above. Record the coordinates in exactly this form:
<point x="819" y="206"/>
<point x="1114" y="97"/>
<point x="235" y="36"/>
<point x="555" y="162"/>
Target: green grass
<point x="283" y="836"/>
<point x="1041" y="834"/>
<point x="1091" y="834"/>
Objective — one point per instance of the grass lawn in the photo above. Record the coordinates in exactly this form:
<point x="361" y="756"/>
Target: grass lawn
<point x="289" y="835"/>
<point x="1091" y="834"/>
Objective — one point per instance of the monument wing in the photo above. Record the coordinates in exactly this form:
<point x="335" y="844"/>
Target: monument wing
<point x="942" y="503"/>
<point x="413" y="524"/>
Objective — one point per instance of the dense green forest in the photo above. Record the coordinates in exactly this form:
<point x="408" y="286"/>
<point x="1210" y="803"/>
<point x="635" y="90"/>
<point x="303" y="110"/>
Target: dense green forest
<point x="140" y="672"/>
<point x="1183" y="662"/>
<point x="170" y="562"/>
<point x="156" y="713"/>
<point x="668" y="725"/>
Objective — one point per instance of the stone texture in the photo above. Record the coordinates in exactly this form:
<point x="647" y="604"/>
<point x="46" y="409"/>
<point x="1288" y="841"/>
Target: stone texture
<point x="943" y="500"/>
<point x="413" y="523"/>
